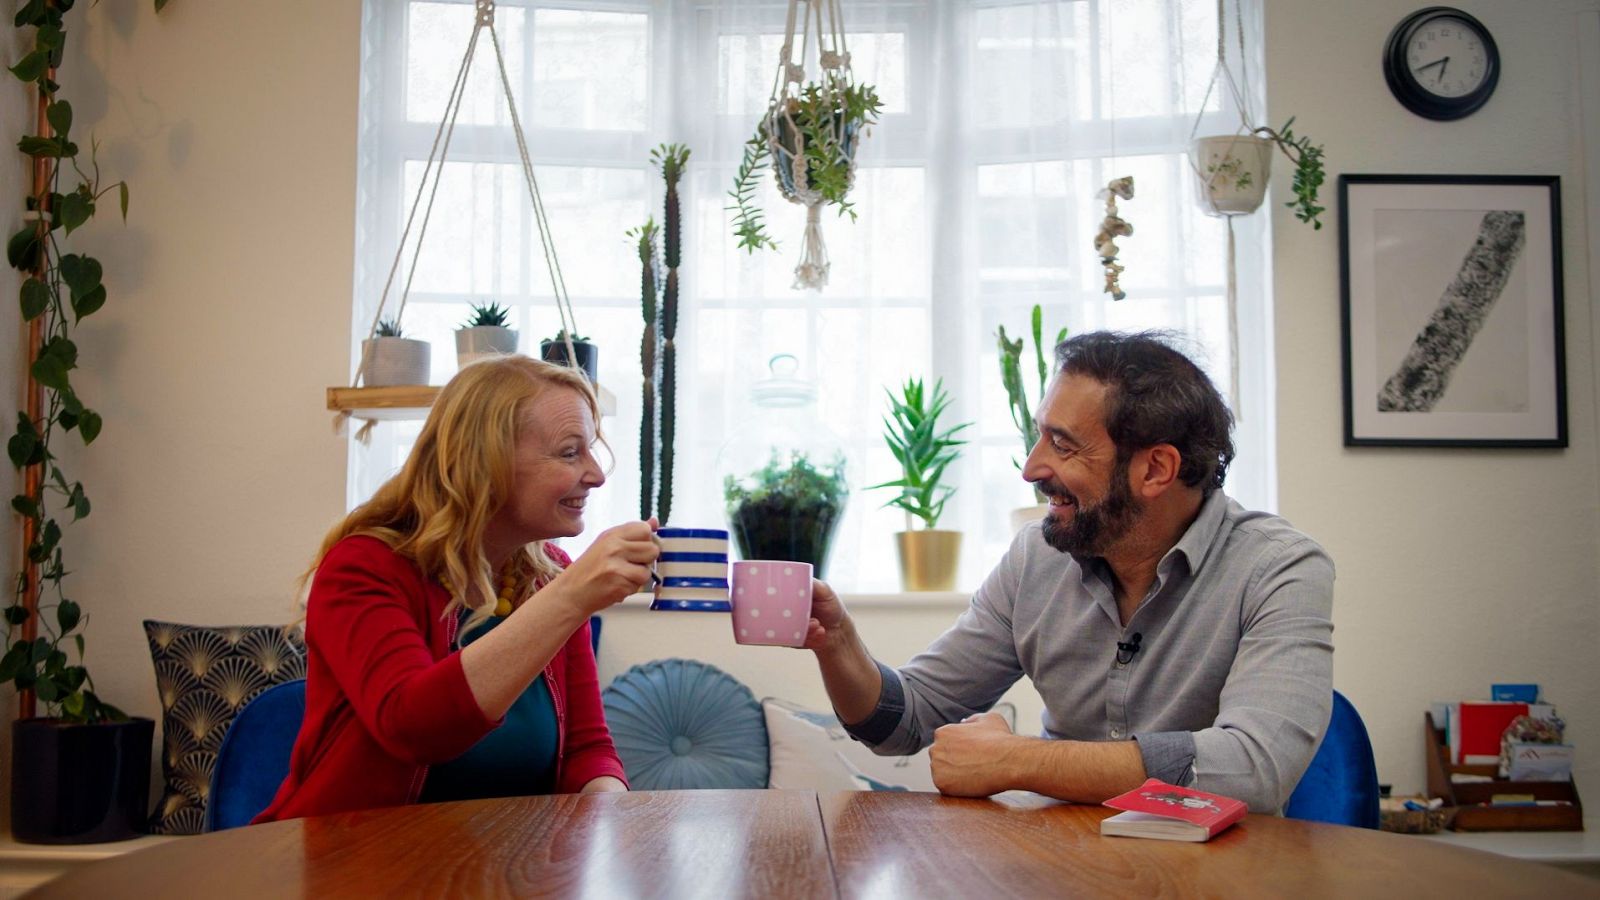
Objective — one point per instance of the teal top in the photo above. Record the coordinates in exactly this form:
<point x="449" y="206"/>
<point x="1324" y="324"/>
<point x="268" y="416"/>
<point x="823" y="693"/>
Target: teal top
<point x="516" y="759"/>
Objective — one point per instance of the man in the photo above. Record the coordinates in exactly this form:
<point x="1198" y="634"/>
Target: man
<point x="1172" y="633"/>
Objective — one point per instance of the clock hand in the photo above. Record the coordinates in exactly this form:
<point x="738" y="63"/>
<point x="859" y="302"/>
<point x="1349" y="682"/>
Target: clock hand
<point x="1437" y="62"/>
<point x="1446" y="65"/>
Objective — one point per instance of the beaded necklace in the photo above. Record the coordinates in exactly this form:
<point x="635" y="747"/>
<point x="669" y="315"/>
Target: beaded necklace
<point x="511" y="579"/>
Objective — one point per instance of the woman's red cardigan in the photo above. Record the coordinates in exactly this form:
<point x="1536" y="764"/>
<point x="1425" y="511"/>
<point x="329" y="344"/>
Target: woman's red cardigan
<point x="386" y="696"/>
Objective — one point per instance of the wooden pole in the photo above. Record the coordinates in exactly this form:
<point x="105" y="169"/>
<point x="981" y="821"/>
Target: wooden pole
<point x="33" y="476"/>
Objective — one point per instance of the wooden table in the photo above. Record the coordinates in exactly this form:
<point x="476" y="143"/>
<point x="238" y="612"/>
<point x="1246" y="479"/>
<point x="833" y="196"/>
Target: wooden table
<point x="792" y="844"/>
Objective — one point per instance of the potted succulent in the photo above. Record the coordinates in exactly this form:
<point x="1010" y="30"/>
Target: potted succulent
<point x="389" y="358"/>
<point x="788" y="509"/>
<point x="1021" y="409"/>
<point x="555" y="350"/>
<point x="80" y="772"/>
<point x="929" y="557"/>
<point x="1232" y="171"/>
<point x="486" y="332"/>
<point x="810" y="136"/>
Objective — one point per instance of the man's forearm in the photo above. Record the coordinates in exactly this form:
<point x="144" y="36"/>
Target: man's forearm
<point x="850" y="676"/>
<point x="1079" y="771"/>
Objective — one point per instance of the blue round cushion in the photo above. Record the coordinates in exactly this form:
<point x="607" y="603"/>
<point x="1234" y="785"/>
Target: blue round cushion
<point x="681" y="724"/>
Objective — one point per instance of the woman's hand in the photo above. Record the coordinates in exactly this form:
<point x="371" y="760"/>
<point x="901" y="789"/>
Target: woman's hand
<point x="604" y="784"/>
<point x="615" y="565"/>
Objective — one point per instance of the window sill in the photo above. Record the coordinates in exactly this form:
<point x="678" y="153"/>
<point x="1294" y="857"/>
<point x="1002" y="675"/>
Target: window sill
<point x="24" y="867"/>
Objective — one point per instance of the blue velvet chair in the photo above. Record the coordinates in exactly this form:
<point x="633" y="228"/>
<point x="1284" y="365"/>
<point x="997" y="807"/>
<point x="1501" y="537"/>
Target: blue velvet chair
<point x="1341" y="786"/>
<point x="254" y="756"/>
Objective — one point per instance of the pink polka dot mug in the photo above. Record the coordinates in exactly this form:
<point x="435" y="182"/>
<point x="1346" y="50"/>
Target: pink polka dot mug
<point x="771" y="602"/>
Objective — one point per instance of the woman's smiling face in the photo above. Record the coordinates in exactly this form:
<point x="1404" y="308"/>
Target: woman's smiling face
<point x="553" y="471"/>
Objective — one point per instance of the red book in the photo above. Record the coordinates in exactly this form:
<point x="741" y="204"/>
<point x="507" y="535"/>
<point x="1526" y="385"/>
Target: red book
<point x="1480" y="727"/>
<point x="1167" y="812"/>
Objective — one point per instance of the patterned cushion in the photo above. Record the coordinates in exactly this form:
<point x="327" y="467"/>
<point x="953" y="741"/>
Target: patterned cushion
<point x="204" y="676"/>
<point x="811" y="751"/>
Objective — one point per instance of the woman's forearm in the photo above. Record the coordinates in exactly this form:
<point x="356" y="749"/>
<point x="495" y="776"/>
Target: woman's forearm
<point x="502" y="663"/>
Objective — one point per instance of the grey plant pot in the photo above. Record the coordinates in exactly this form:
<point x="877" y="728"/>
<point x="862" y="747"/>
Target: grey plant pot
<point x="479" y="341"/>
<point x="392" y="361"/>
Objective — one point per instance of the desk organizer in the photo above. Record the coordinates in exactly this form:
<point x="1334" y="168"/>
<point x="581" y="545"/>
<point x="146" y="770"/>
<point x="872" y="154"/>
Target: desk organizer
<point x="1472" y="816"/>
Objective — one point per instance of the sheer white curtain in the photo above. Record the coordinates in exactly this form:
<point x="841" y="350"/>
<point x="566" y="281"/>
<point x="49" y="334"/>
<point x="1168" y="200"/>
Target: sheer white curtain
<point x="976" y="195"/>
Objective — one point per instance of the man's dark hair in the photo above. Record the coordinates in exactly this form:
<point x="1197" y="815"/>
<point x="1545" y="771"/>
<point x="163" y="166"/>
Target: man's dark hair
<point x="1155" y="395"/>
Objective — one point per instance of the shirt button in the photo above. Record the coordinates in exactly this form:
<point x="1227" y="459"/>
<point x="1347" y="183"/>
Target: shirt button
<point x="1116" y="733"/>
<point x="1122" y="665"/>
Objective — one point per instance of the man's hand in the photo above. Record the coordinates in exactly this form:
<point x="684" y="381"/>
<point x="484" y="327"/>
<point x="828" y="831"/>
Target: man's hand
<point x="968" y="758"/>
<point x="829" y="621"/>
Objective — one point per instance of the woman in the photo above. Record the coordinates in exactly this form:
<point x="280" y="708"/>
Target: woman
<point x="449" y="654"/>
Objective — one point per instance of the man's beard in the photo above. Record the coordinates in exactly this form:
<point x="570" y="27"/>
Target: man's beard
<point x="1094" y="529"/>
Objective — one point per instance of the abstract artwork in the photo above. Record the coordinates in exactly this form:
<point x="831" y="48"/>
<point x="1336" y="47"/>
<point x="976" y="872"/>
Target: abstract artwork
<point x="1451" y="311"/>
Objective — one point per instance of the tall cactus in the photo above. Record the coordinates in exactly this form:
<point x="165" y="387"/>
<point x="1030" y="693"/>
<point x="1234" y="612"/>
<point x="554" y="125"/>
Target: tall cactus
<point x="649" y="359"/>
<point x="671" y="160"/>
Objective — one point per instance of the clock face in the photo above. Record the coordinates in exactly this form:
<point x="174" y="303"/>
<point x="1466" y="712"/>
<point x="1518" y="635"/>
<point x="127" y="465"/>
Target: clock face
<point x="1447" y="57"/>
<point x="1441" y="63"/>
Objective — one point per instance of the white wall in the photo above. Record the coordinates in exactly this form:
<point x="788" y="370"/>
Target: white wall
<point x="234" y="122"/>
<point x="1457" y="568"/>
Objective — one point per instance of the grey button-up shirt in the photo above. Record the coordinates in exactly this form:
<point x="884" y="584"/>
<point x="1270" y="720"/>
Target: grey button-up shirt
<point x="1230" y="690"/>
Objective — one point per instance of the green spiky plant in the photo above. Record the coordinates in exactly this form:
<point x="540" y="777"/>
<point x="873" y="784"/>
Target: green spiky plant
<point x="923" y="451"/>
<point x="670" y="160"/>
<point x="389" y="328"/>
<point x="59" y="290"/>
<point x="644" y="238"/>
<point x="488" y="315"/>
<point x="1016" y="392"/>
<point x="822" y="112"/>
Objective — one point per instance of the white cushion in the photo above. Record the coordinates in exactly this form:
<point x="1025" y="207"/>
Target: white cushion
<point x="809" y="750"/>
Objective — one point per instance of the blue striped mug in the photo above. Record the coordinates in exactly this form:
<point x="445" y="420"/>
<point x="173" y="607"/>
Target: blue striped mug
<point x="692" y="571"/>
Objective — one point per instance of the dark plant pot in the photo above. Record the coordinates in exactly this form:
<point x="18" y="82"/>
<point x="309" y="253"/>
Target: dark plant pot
<point x="79" y="784"/>
<point x="776" y="527"/>
<point x="588" y="356"/>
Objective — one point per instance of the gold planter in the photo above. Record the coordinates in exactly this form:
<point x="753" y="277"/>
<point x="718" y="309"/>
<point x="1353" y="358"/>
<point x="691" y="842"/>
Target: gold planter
<point x="928" y="559"/>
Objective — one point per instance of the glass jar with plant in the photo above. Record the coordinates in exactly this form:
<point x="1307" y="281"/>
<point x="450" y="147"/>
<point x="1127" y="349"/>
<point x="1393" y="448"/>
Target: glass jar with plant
<point x="810" y="133"/>
<point x="486" y="332"/>
<point x="787" y="509"/>
<point x="929" y="557"/>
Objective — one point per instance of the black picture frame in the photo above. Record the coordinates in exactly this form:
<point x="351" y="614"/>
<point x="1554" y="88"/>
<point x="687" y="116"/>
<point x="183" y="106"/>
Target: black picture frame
<point x="1451" y="313"/>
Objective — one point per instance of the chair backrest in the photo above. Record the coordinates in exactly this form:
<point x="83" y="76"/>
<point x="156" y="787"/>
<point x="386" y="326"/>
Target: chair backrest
<point x="1341" y="786"/>
<point x="254" y="757"/>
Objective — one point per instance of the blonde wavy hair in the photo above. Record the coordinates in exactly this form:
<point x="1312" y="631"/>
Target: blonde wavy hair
<point x="435" y="510"/>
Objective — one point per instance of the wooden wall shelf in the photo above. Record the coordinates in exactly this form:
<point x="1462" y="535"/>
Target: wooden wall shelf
<point x="411" y="402"/>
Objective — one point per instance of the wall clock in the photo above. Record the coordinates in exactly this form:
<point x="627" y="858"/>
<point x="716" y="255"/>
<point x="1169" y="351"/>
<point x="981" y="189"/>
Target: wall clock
<point x="1441" y="63"/>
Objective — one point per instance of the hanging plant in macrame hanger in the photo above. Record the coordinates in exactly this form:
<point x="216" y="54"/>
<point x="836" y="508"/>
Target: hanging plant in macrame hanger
<point x="811" y="132"/>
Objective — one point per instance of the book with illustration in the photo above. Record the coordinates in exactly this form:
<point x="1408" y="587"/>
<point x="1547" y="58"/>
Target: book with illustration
<point x="1167" y="812"/>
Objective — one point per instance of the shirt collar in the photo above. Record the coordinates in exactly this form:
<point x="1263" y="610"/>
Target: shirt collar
<point x="1200" y="535"/>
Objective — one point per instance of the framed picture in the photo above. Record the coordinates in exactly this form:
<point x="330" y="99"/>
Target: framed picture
<point x="1451" y="311"/>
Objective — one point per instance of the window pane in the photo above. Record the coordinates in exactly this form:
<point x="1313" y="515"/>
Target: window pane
<point x="589" y="69"/>
<point x="748" y="63"/>
<point x="436" y="41"/>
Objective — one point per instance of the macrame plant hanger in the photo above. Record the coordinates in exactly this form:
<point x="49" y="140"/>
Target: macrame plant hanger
<point x="784" y="138"/>
<point x="483" y="21"/>
<point x="1224" y="73"/>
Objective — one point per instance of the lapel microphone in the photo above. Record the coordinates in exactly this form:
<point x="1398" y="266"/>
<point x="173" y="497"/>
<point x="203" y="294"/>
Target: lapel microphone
<point x="1127" y="649"/>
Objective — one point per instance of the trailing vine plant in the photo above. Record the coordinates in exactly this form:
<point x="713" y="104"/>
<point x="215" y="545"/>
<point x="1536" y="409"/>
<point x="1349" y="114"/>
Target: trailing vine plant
<point x="59" y="290"/>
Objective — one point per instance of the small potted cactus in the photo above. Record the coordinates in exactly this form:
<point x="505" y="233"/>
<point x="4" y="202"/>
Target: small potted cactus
<point x="389" y="358"/>
<point x="486" y="332"/>
<point x="555" y="350"/>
